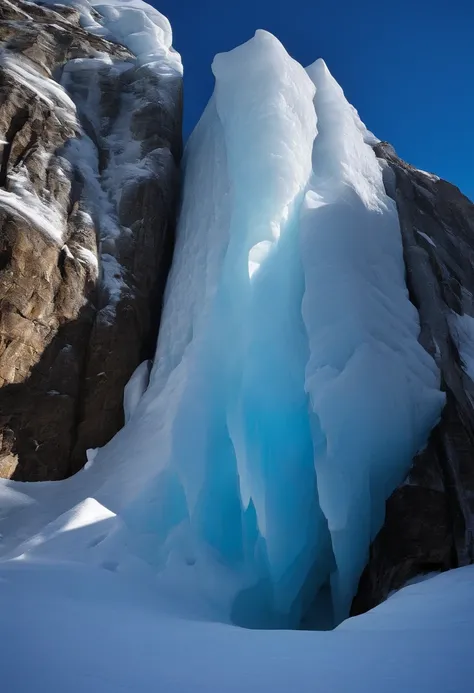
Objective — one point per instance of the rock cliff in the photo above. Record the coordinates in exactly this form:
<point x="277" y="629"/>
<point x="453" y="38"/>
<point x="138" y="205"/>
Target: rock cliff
<point x="90" y="142"/>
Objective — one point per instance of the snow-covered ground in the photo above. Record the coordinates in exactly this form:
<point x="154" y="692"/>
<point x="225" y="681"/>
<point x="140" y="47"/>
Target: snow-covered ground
<point x="287" y="398"/>
<point x="79" y="629"/>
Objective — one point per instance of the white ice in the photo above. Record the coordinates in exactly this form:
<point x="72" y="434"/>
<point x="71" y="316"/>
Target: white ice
<point x="135" y="389"/>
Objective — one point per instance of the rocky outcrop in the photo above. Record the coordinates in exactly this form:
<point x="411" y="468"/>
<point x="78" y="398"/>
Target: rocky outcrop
<point x="430" y="518"/>
<point x="90" y="139"/>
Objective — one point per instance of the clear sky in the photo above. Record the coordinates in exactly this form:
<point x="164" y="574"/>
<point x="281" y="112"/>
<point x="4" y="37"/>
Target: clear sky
<point x="406" y="65"/>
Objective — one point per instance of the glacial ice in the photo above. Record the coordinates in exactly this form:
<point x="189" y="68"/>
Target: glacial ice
<point x="289" y="392"/>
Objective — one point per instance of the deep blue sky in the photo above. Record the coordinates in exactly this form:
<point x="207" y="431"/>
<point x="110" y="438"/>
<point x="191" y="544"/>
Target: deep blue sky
<point x="406" y="65"/>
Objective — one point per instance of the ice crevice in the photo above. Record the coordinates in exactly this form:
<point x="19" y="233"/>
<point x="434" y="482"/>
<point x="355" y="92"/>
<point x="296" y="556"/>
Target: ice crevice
<point x="289" y="392"/>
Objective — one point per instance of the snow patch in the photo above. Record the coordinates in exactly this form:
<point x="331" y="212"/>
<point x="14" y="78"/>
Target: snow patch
<point x="26" y="204"/>
<point x="87" y="257"/>
<point x="23" y="72"/>
<point x="431" y="176"/>
<point x="462" y="328"/>
<point x="427" y="238"/>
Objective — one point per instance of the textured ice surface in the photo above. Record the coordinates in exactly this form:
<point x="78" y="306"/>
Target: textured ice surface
<point x="373" y="389"/>
<point x="289" y="392"/>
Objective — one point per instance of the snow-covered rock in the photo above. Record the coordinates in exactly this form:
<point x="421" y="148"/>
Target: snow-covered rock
<point x="90" y="130"/>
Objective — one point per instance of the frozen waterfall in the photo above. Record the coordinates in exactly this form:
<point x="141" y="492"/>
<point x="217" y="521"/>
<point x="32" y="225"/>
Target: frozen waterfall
<point x="289" y="392"/>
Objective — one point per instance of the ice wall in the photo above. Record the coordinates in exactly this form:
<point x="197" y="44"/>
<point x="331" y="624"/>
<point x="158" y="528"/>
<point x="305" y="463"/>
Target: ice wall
<point x="300" y="391"/>
<point x="232" y="324"/>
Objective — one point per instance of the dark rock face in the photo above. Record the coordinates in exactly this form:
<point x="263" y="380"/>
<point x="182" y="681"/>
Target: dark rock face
<point x="430" y="518"/>
<point x="89" y="150"/>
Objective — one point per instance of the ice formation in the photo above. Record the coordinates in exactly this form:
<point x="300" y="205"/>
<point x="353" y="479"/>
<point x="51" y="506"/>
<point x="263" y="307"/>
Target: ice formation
<point x="289" y="392"/>
<point x="373" y="389"/>
<point x="297" y="390"/>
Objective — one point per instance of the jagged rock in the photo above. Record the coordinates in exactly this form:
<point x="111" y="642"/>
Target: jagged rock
<point x="430" y="518"/>
<point x="86" y="232"/>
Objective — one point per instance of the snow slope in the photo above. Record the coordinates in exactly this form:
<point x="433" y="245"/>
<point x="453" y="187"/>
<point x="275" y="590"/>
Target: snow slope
<point x="75" y="628"/>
